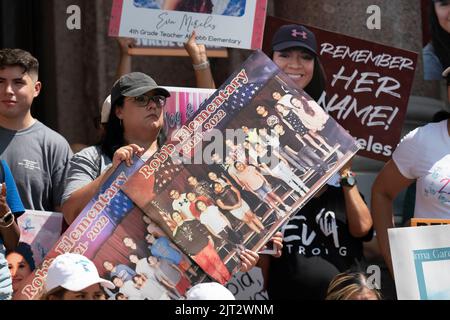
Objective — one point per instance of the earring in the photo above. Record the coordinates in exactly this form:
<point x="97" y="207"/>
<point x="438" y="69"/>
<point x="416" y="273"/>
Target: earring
<point x="120" y="121"/>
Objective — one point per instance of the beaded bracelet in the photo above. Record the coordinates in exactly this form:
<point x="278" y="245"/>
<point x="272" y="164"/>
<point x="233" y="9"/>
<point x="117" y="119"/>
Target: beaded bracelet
<point x="201" y="66"/>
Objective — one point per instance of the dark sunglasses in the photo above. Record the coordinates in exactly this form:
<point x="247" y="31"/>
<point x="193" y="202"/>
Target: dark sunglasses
<point x="144" y="100"/>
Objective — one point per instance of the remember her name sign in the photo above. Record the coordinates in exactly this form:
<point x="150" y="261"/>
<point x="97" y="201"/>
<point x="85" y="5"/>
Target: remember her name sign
<point x="225" y="23"/>
<point x="368" y="86"/>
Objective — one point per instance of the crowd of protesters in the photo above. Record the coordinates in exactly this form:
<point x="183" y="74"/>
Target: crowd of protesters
<point x="40" y="172"/>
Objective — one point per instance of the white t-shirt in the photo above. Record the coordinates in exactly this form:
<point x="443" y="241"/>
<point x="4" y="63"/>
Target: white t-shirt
<point x="130" y="290"/>
<point x="151" y="290"/>
<point x="249" y="177"/>
<point x="211" y="217"/>
<point x="424" y="155"/>
<point x="143" y="267"/>
<point x="182" y="204"/>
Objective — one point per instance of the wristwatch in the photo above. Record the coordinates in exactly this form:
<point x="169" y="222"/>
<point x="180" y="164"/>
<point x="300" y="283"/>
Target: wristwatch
<point x="348" y="179"/>
<point x="7" y="218"/>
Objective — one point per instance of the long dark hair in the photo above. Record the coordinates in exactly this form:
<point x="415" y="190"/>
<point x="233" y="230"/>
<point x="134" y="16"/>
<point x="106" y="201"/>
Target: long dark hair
<point x="305" y="106"/>
<point x="202" y="6"/>
<point x="317" y="84"/>
<point x="440" y="116"/>
<point x="24" y="249"/>
<point x="113" y="138"/>
<point x="439" y="37"/>
<point x="57" y="292"/>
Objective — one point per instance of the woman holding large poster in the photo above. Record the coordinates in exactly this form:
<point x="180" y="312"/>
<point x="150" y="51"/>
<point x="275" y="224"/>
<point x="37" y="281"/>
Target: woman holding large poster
<point x="134" y="123"/>
<point x="325" y="237"/>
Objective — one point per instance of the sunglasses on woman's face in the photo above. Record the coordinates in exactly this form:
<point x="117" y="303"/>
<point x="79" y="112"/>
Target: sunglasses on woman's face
<point x="144" y="101"/>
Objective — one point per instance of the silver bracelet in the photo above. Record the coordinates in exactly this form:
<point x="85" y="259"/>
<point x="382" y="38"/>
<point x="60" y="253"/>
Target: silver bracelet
<point x="8" y="216"/>
<point x="201" y="66"/>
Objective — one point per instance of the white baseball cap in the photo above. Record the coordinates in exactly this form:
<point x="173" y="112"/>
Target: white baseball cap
<point x="73" y="272"/>
<point x="209" y="291"/>
<point x="106" y="110"/>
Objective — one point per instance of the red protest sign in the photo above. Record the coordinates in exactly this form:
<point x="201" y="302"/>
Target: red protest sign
<point x="368" y="86"/>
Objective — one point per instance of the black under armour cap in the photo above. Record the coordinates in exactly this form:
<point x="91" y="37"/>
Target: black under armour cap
<point x="294" y="35"/>
<point x="135" y="84"/>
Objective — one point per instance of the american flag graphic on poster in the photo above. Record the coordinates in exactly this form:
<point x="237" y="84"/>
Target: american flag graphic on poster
<point x="118" y="208"/>
<point x="181" y="105"/>
<point x="164" y="176"/>
<point x="242" y="97"/>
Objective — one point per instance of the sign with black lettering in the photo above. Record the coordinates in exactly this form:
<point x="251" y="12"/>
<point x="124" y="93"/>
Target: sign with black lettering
<point x="248" y="285"/>
<point x="368" y="86"/>
<point x="146" y="47"/>
<point x="237" y="24"/>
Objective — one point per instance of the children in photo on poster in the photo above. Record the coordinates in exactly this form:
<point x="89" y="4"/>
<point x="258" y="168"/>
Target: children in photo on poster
<point x="129" y="257"/>
<point x="240" y="192"/>
<point x="113" y="233"/>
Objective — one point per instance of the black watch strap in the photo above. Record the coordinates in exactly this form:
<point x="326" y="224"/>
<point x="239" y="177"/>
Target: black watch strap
<point x="348" y="179"/>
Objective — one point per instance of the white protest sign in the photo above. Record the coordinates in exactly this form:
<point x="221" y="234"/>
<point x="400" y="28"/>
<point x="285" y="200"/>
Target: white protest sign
<point x="421" y="261"/>
<point x="238" y="23"/>
<point x="248" y="285"/>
